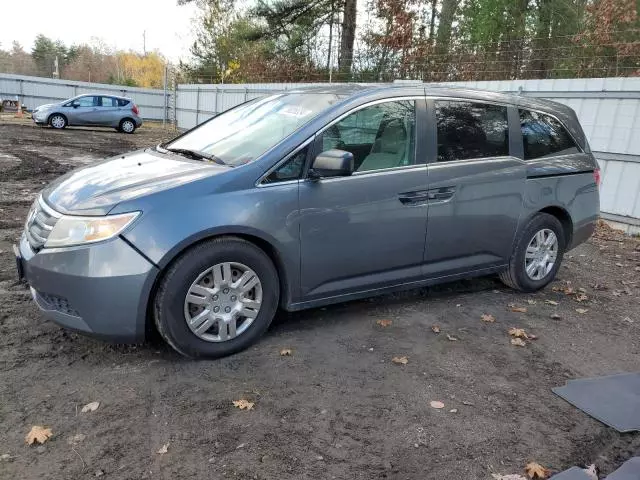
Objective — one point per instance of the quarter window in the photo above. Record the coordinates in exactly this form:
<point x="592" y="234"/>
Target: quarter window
<point x="380" y="136"/>
<point x="471" y="130"/>
<point x="289" y="170"/>
<point x="122" y="102"/>
<point x="544" y="136"/>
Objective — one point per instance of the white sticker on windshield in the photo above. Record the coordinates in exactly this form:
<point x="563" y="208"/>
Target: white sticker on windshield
<point x="295" y="111"/>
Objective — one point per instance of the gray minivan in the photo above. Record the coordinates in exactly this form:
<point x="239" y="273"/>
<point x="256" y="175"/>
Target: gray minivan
<point x="308" y="198"/>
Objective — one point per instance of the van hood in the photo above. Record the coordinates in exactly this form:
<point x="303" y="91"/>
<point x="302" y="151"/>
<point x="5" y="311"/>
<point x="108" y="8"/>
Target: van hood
<point x="97" y="189"/>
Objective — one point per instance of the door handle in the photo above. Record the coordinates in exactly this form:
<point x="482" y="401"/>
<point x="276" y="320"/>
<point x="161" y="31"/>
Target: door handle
<point x="414" y="198"/>
<point x="442" y="193"/>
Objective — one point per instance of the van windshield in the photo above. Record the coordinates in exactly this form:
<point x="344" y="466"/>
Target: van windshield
<point x="242" y="134"/>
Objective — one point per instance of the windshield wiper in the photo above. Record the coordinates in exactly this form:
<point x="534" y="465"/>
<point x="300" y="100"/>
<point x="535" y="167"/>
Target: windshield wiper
<point x="196" y="155"/>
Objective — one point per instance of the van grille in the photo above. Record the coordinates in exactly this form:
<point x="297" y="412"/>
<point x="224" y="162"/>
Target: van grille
<point x="40" y="222"/>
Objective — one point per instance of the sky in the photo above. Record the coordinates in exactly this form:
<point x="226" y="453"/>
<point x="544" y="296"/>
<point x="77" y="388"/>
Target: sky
<point x="118" y="23"/>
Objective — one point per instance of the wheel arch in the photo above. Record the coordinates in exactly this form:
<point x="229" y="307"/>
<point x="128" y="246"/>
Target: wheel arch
<point x="565" y="219"/>
<point x="263" y="244"/>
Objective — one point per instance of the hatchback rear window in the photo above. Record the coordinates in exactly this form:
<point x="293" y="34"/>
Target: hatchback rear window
<point x="471" y="130"/>
<point x="544" y="136"/>
<point x="122" y="102"/>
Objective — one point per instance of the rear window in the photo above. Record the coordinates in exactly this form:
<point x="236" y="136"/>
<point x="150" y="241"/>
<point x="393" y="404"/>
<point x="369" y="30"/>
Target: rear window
<point x="122" y="102"/>
<point x="471" y="130"/>
<point x="544" y="136"/>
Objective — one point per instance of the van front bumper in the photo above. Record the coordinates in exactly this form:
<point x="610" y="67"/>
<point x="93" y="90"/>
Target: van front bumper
<point x="100" y="289"/>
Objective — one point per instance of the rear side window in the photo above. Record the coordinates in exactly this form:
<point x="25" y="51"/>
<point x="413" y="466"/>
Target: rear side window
<point x="122" y="102"/>
<point x="108" y="102"/>
<point x="471" y="130"/>
<point x="544" y="136"/>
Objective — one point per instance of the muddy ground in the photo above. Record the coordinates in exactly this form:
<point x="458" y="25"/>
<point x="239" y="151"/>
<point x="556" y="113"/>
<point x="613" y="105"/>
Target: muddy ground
<point x="338" y="407"/>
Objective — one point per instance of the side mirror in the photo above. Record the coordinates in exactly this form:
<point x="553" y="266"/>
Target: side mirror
<point x="332" y="163"/>
<point x="75" y="105"/>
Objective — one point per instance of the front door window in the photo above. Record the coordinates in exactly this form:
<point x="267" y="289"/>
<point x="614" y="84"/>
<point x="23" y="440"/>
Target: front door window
<point x="380" y="136"/>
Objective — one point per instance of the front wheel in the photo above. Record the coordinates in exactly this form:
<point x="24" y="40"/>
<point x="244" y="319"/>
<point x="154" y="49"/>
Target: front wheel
<point x="217" y="298"/>
<point x="537" y="255"/>
<point x="58" y="121"/>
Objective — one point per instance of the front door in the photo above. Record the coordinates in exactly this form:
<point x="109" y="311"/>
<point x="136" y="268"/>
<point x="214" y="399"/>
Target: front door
<point x="367" y="231"/>
<point x="83" y="110"/>
<point x="475" y="187"/>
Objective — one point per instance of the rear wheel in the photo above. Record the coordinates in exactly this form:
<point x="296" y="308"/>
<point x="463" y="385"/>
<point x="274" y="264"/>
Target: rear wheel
<point x="217" y="298"/>
<point x="537" y="255"/>
<point x="127" y="125"/>
<point x="58" y="121"/>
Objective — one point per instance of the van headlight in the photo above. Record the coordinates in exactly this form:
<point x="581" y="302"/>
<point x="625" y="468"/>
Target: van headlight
<point x="70" y="230"/>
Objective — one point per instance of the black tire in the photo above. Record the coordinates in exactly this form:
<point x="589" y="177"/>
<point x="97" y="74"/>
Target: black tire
<point x="124" y="128"/>
<point x="169" y="300"/>
<point x="58" y="121"/>
<point x="515" y="276"/>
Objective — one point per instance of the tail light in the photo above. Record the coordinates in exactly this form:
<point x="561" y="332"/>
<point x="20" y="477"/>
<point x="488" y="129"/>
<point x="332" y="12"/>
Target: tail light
<point x="135" y="109"/>
<point x="596" y="176"/>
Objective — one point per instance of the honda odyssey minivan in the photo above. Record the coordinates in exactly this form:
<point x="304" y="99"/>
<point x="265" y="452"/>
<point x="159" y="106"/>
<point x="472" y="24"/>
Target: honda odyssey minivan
<point x="308" y="198"/>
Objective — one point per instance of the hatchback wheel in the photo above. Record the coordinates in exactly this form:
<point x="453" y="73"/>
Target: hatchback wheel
<point x="217" y="298"/>
<point x="127" y="126"/>
<point x="58" y="121"/>
<point x="537" y="255"/>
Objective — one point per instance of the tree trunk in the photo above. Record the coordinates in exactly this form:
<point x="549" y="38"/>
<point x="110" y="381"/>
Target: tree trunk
<point x="447" y="15"/>
<point x="348" y="36"/>
<point x="432" y="20"/>
<point x="539" y="66"/>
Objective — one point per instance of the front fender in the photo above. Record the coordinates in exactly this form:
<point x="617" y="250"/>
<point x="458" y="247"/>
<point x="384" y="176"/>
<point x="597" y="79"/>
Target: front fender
<point x="171" y="225"/>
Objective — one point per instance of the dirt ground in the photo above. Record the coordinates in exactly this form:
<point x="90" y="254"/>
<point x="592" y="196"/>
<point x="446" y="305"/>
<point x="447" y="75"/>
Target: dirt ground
<point x="338" y="407"/>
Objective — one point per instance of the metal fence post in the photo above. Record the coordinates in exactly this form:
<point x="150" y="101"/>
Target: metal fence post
<point x="215" y="102"/>
<point x="246" y="94"/>
<point x="197" y="105"/>
<point x="175" y="104"/>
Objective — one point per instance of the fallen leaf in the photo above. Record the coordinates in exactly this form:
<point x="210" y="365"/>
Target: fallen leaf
<point x="435" y="328"/>
<point x="400" y="360"/>
<point x="453" y="410"/>
<point x="518" y="332"/>
<point x="38" y="434"/>
<point x="582" y="310"/>
<point x="163" y="449"/>
<point x="436" y="404"/>
<point x="384" y="323"/>
<point x="531" y="301"/>
<point x="551" y="302"/>
<point x="516" y="308"/>
<point x="488" y="318"/>
<point x="285" y="352"/>
<point x="554" y="316"/>
<point x="581" y="297"/>
<point x="619" y="264"/>
<point x="591" y="471"/>
<point x="535" y="470"/>
<point x="243" y="404"/>
<point x="452" y="338"/>
<point x="531" y="336"/>
<point x="90" y="407"/>
<point x="518" y="342"/>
